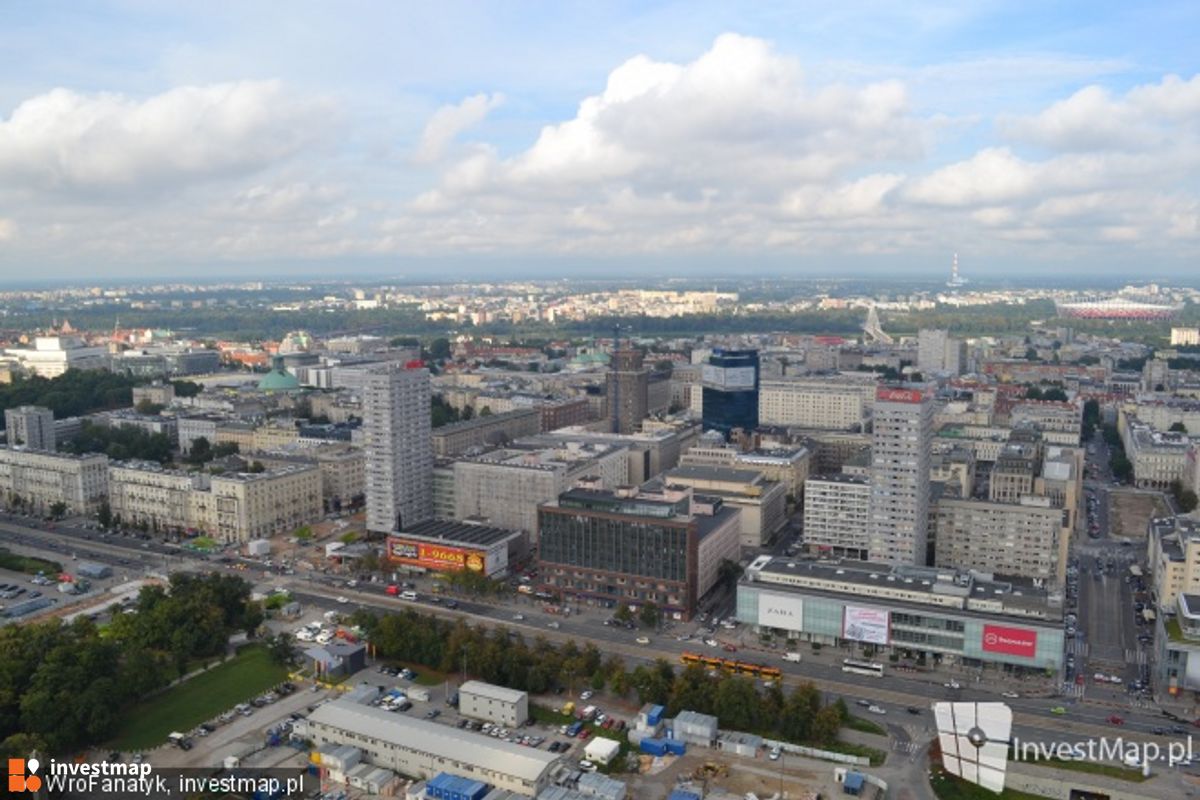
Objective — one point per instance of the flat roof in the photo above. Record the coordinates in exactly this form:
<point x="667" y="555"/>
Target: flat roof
<point x="452" y="532"/>
<point x="501" y="693"/>
<point x="931" y="581"/>
<point x="704" y="472"/>
<point x="439" y="740"/>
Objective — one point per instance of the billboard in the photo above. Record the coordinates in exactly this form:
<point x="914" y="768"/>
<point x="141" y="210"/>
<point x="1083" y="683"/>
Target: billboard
<point x="1009" y="641"/>
<point x="870" y="625"/>
<point x="887" y="395"/>
<point x="438" y="557"/>
<point x="780" y="611"/>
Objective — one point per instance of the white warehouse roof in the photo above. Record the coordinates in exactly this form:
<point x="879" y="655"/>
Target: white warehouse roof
<point x="501" y="693"/>
<point x="442" y="741"/>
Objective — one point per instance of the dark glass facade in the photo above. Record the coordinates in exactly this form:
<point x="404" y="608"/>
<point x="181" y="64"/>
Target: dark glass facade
<point x="730" y="386"/>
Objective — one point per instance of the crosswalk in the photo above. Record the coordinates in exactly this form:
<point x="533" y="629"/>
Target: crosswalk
<point x="1137" y="702"/>
<point x="1077" y="647"/>
<point x="909" y="747"/>
<point x="1135" y="657"/>
<point x="1073" y="690"/>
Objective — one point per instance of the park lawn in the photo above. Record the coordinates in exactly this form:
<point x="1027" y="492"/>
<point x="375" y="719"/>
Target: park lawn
<point x="865" y="726"/>
<point x="199" y="699"/>
<point x="1094" y="767"/>
<point x="949" y="787"/>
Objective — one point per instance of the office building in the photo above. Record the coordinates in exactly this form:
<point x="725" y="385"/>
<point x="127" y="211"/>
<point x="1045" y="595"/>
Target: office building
<point x="1060" y="423"/>
<point x="938" y="353"/>
<point x="1185" y="337"/>
<point x="1159" y="458"/>
<point x="1026" y="539"/>
<point x="730" y="387"/>
<point x="820" y="404"/>
<point x="492" y="703"/>
<point x="1176" y="656"/>
<point x="51" y="356"/>
<point x="422" y="748"/>
<point x="1173" y="554"/>
<point x="487" y="431"/>
<point x="396" y="437"/>
<point x="506" y="486"/>
<point x="143" y="494"/>
<point x="161" y="394"/>
<point x="763" y="502"/>
<point x="903" y="429"/>
<point x="660" y="545"/>
<point x="31" y="427"/>
<point x="786" y="465"/>
<point x="836" y="510"/>
<point x="921" y="615"/>
<point x="651" y="451"/>
<point x="37" y="481"/>
<point x="628" y="389"/>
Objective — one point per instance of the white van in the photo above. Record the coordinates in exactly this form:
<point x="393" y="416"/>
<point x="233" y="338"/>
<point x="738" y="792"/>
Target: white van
<point x="793" y="657"/>
<point x="408" y="594"/>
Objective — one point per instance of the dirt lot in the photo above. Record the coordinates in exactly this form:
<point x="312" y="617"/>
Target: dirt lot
<point x="798" y="777"/>
<point x="1129" y="512"/>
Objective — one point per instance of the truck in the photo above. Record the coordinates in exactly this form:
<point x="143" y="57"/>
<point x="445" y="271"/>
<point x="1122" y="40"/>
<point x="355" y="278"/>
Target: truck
<point x="793" y="657"/>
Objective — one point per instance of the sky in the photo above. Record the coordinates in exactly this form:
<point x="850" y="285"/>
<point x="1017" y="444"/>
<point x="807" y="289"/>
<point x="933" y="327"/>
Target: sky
<point x="490" y="140"/>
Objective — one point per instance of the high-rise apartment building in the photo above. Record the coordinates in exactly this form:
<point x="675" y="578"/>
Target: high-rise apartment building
<point x="899" y="523"/>
<point x="730" y="389"/>
<point x="836" y="511"/>
<point x="31" y="427"/>
<point x="628" y="390"/>
<point x="397" y="439"/>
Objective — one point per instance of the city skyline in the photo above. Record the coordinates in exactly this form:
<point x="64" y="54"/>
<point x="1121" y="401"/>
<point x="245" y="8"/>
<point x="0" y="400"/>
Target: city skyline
<point x="542" y="140"/>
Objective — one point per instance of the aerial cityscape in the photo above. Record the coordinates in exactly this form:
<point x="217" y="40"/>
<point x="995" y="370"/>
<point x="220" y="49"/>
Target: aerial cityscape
<point x="600" y="402"/>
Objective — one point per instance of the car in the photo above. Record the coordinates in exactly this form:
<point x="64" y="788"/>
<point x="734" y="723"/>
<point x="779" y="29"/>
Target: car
<point x="343" y="599"/>
<point x="643" y="640"/>
<point x="1058" y="710"/>
<point x="952" y="685"/>
<point x="433" y="713"/>
<point x="553" y="624"/>
<point x="587" y="766"/>
<point x="586" y="695"/>
<point x="876" y="710"/>
<point x="1115" y="720"/>
<point x="518" y="617"/>
<point x="712" y="643"/>
<point x="863" y="703"/>
<point x="913" y="710"/>
<point x="1159" y="731"/>
<point x="585" y="733"/>
<point x="452" y="604"/>
<point x="774" y="754"/>
<point x="729" y="648"/>
<point x="1010" y="695"/>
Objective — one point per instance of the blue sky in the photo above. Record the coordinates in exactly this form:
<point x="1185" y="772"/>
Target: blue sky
<point x="141" y="138"/>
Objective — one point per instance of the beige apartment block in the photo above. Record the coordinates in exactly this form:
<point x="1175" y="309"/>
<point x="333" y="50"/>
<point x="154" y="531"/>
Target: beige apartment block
<point x="37" y="480"/>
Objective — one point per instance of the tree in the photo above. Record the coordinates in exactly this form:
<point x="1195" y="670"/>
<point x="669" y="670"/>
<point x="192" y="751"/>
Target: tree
<point x="623" y="613"/>
<point x="1031" y="354"/>
<point x="439" y="349"/>
<point x="825" y="726"/>
<point x="200" y="451"/>
<point x="282" y="649"/>
<point x="729" y="573"/>
<point x="1055" y="394"/>
<point x="486" y="411"/>
<point x="58" y="509"/>
<point x="223" y="449"/>
<point x="148" y="408"/>
<point x="104" y="515"/>
<point x="648" y="615"/>
<point x="1178" y="427"/>
<point x="736" y="703"/>
<point x="1188" y="501"/>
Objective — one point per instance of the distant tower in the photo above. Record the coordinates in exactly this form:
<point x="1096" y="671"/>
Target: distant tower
<point x="399" y="446"/>
<point x="955" y="279"/>
<point x="627" y="386"/>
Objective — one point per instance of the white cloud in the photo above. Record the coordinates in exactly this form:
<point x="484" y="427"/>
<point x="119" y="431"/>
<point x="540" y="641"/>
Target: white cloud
<point x="66" y="141"/>
<point x="449" y="121"/>
<point x="8" y="229"/>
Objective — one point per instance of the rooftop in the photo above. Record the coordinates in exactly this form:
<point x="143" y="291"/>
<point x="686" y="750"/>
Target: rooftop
<point x="458" y="533"/>
<point x="704" y="472"/>
<point x="441" y="741"/>
<point x="500" y="693"/>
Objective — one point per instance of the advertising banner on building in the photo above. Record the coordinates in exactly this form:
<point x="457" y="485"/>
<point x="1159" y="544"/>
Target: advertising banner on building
<point x="886" y="394"/>
<point x="779" y="611"/>
<point x="870" y="625"/>
<point x="442" y="558"/>
<point x="728" y="377"/>
<point x="1009" y="641"/>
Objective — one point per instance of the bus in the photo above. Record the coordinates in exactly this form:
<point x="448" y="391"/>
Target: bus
<point x="733" y="666"/>
<point x="862" y="667"/>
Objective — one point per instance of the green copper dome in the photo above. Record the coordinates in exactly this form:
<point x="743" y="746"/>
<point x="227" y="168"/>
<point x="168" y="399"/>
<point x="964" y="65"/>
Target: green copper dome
<point x="278" y="379"/>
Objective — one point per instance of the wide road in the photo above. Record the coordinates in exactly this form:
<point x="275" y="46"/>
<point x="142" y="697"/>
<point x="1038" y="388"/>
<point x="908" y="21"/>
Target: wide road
<point x="895" y="692"/>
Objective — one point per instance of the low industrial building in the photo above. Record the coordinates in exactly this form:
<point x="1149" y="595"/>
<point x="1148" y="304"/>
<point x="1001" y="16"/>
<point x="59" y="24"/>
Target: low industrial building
<point x="445" y="546"/>
<point x="918" y="613"/>
<point x="491" y="703"/>
<point x="420" y="748"/>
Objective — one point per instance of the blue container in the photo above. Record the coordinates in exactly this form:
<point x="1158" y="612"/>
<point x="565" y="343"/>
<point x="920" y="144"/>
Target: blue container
<point x="680" y="794"/>
<point x="654" y="747"/>
<point x="675" y="747"/>
<point x="655" y="715"/>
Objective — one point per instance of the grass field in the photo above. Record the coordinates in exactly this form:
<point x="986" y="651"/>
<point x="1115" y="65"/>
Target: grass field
<point x="948" y="787"/>
<point x="865" y="726"/>
<point x="1093" y="767"/>
<point x="199" y="699"/>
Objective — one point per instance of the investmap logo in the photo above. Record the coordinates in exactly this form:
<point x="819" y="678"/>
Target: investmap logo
<point x="22" y="775"/>
<point x="974" y="739"/>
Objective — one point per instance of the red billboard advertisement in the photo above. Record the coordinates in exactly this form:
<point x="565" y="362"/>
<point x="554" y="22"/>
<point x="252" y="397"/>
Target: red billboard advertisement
<point x="888" y="395"/>
<point x="439" y="557"/>
<point x="1009" y="641"/>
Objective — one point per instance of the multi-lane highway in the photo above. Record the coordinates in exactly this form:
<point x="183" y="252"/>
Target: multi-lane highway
<point x="896" y="692"/>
